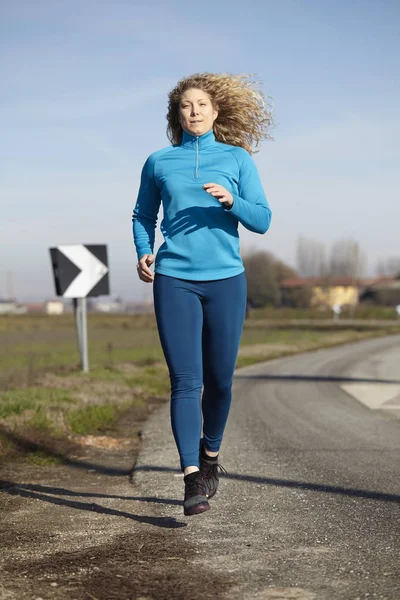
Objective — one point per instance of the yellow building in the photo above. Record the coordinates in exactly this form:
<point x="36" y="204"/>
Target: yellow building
<point x="325" y="296"/>
<point x="324" y="292"/>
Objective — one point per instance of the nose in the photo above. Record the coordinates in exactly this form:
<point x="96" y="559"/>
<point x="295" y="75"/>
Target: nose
<point x="195" y="111"/>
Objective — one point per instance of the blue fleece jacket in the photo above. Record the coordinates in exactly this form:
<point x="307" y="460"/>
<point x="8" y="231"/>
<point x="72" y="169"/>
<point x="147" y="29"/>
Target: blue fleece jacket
<point x="201" y="235"/>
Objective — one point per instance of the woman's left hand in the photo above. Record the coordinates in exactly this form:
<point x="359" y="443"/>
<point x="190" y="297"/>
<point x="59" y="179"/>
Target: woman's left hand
<point x="220" y="193"/>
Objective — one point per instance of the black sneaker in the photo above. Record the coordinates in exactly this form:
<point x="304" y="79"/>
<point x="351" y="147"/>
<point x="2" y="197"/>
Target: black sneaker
<point x="209" y="472"/>
<point x="195" y="501"/>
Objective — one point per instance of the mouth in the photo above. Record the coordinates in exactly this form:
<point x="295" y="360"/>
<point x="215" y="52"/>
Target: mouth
<point x="195" y="122"/>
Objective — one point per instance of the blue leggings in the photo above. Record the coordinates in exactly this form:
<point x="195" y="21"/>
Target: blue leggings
<point x="200" y="324"/>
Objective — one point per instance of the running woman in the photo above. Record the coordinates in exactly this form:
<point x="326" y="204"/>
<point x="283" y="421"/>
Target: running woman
<point x="207" y="183"/>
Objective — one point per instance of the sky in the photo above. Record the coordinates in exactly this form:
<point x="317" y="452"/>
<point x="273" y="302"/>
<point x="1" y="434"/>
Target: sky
<point x="84" y="99"/>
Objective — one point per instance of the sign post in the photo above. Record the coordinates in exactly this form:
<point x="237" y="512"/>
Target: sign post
<point x="80" y="311"/>
<point x="337" y="309"/>
<point x="80" y="271"/>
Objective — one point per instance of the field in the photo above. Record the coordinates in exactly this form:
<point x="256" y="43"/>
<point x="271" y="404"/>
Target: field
<point x="49" y="408"/>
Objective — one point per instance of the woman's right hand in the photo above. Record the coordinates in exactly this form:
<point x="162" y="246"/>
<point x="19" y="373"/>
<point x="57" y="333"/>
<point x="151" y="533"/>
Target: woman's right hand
<point x="143" y="268"/>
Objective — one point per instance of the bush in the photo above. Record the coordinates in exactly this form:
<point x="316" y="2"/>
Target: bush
<point x="262" y="284"/>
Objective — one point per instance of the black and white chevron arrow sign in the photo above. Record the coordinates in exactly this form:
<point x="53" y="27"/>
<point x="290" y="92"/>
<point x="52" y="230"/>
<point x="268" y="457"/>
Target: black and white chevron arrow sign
<point x="80" y="270"/>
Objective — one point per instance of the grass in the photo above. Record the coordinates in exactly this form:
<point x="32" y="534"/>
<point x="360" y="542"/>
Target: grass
<point x="16" y="401"/>
<point x="45" y="395"/>
<point x="92" y="419"/>
<point x="41" y="422"/>
<point x="43" y="459"/>
<point x="15" y="406"/>
<point x="154" y="381"/>
<point x="360" y="313"/>
<point x="257" y="347"/>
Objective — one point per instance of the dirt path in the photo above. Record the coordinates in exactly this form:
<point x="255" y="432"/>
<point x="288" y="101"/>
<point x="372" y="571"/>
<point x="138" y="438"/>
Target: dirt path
<point x="80" y="531"/>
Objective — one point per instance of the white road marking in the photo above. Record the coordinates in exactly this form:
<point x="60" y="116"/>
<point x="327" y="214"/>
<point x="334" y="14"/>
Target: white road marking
<point x="375" y="395"/>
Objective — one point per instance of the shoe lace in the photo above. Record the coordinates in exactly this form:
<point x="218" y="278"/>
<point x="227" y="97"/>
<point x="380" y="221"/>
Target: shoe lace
<point x="194" y="486"/>
<point x="211" y="471"/>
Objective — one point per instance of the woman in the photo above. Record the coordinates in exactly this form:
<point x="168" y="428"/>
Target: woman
<point x="208" y="184"/>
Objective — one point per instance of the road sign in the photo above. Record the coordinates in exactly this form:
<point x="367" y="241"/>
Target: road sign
<point x="80" y="270"/>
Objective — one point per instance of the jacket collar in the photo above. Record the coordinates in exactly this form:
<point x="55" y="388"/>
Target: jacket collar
<point x="205" y="141"/>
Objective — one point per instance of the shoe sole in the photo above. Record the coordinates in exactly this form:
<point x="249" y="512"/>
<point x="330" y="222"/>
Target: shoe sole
<point x="197" y="509"/>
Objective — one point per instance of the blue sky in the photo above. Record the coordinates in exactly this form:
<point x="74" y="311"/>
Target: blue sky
<point x="84" y="100"/>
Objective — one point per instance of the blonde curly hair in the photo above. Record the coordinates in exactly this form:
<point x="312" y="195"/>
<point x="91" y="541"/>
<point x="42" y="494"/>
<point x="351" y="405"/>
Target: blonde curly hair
<point x="244" y="117"/>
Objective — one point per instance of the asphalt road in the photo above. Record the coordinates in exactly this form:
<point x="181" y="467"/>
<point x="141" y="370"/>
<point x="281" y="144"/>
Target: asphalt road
<point x="310" y="508"/>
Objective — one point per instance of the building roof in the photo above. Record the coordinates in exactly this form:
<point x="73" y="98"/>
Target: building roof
<point x="393" y="284"/>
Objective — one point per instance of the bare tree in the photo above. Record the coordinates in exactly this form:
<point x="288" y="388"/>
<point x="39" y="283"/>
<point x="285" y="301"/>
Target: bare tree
<point x="311" y="259"/>
<point x="388" y="267"/>
<point x="347" y="259"/>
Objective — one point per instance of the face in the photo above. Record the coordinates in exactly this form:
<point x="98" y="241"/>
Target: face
<point x="196" y="112"/>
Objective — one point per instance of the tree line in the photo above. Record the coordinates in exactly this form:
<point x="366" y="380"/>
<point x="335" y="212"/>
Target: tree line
<point x="345" y="258"/>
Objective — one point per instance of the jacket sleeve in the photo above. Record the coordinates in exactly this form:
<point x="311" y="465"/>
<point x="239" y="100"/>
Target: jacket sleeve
<point x="146" y="210"/>
<point x="250" y="207"/>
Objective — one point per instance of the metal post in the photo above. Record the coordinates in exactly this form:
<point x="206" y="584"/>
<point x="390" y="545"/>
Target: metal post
<point x="84" y="339"/>
<point x="77" y="314"/>
<point x="80" y="311"/>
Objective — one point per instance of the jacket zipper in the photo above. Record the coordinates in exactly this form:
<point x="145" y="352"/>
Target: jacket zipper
<point x="197" y="158"/>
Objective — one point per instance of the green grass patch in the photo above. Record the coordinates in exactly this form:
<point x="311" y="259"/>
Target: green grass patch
<point x="15" y="402"/>
<point x="149" y="359"/>
<point x="360" y="312"/>
<point x="92" y="419"/>
<point x="265" y="335"/>
<point x="153" y="381"/>
<point x="15" y="406"/>
<point x="100" y="374"/>
<point x="41" y="422"/>
<point x="42" y="458"/>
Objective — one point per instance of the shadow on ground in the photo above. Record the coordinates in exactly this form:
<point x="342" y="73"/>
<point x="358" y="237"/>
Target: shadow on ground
<point x="304" y="485"/>
<point x="25" y="445"/>
<point x="26" y="491"/>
